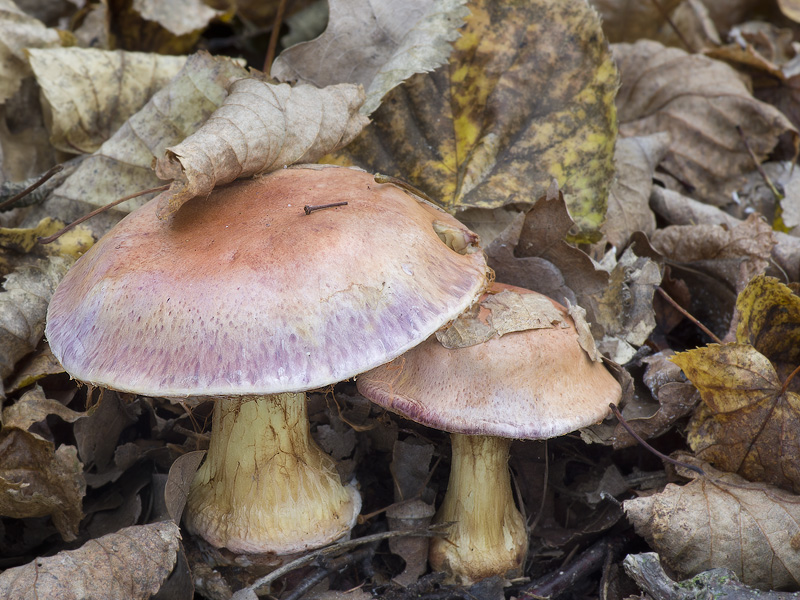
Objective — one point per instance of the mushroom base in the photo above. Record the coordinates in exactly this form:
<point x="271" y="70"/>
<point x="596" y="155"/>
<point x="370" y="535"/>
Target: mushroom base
<point x="265" y="485"/>
<point x="489" y="536"/>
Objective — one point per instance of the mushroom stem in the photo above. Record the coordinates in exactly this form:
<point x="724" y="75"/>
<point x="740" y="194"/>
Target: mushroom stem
<point x="488" y="536"/>
<point x="265" y="485"/>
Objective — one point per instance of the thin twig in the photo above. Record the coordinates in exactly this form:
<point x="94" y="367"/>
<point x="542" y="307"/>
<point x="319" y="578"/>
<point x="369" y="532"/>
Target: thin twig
<point x="334" y="549"/>
<point x="8" y="204"/>
<point x="273" y="37"/>
<point x="327" y="568"/>
<point x="639" y="439"/>
<point x="669" y="20"/>
<point x="58" y="234"/>
<point x="686" y="314"/>
<point x="308" y="208"/>
<point x="775" y="192"/>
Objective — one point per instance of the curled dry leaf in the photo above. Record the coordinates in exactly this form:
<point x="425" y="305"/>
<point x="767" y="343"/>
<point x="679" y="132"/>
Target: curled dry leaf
<point x="36" y="480"/>
<point x="636" y="159"/>
<point x="123" y="164"/>
<point x="749" y="419"/>
<point x="734" y="255"/>
<point x="628" y="20"/>
<point x="179" y="480"/>
<point x="130" y="564"/>
<point x="700" y="102"/>
<point x="179" y="17"/>
<point x="23" y="306"/>
<point x="721" y="520"/>
<point x="90" y="93"/>
<point x="377" y="45"/>
<point x="497" y="315"/>
<point x="33" y="407"/>
<point x="18" y="31"/>
<point x="25" y="240"/>
<point x="526" y="97"/>
<point x="260" y="127"/>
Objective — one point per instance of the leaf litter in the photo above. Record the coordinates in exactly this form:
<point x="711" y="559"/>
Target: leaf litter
<point x="514" y="131"/>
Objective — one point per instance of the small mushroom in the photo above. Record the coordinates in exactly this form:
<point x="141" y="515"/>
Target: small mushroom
<point x="246" y="297"/>
<point x="501" y="380"/>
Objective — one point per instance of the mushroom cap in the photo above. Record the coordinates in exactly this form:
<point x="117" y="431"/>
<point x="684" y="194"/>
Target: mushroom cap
<point x="531" y="384"/>
<point x="243" y="293"/>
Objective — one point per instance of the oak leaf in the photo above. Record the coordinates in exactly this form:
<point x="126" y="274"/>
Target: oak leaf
<point x="526" y="97"/>
<point x="721" y="520"/>
<point x="130" y="564"/>
<point x="377" y="45"/>
<point x="260" y="127"/>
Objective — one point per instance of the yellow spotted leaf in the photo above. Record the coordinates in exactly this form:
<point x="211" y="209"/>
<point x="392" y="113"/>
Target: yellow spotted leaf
<point x="747" y="423"/>
<point x="527" y="97"/>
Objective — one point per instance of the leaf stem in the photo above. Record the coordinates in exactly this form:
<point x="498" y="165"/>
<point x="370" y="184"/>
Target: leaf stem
<point x="788" y="381"/>
<point x="309" y="209"/>
<point x="686" y="314"/>
<point x="8" y="204"/>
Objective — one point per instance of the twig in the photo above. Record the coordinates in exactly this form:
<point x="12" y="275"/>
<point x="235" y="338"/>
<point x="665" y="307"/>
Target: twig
<point x="308" y="208"/>
<point x="639" y="439"/>
<point x="58" y="234"/>
<point x="686" y="314"/>
<point x="669" y="20"/>
<point x="329" y="567"/>
<point x="778" y="195"/>
<point x="273" y="36"/>
<point x="341" y="547"/>
<point x="9" y="204"/>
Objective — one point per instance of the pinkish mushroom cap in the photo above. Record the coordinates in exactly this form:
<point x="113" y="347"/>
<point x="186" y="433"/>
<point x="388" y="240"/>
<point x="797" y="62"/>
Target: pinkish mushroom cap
<point x="530" y="384"/>
<point x="244" y="293"/>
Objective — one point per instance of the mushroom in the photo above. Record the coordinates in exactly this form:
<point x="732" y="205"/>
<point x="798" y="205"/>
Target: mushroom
<point x="516" y="368"/>
<point x="247" y="298"/>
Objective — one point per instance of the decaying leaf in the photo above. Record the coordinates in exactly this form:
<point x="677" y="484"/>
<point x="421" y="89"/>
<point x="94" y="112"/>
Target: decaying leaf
<point x="376" y="45"/>
<point x="179" y="480"/>
<point x="90" y="93"/>
<point x="37" y="480"/>
<point x="750" y="415"/>
<point x="179" y="17"/>
<point x="33" y="407"/>
<point x="24" y="240"/>
<point x="23" y="306"/>
<point x="18" y="31"/>
<point x="527" y="97"/>
<point x="636" y="159"/>
<point x="629" y="20"/>
<point x="260" y="127"/>
<point x="721" y="520"/>
<point x="497" y="315"/>
<point x="734" y="255"/>
<point x="123" y="164"/>
<point x="128" y="565"/>
<point x="700" y="102"/>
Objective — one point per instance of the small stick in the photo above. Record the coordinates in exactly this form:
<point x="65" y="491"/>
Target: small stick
<point x="639" y="439"/>
<point x="58" y="234"/>
<point x="11" y="201"/>
<point x="686" y="314"/>
<point x="273" y="37"/>
<point x="309" y="209"/>
<point x="669" y="20"/>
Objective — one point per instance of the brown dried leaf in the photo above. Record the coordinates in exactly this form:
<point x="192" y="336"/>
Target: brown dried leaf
<point x="721" y="520"/>
<point x="628" y="200"/>
<point x="128" y="565"/>
<point x="179" y="480"/>
<point x="36" y="480"/>
<point x="700" y="102"/>
<point x="97" y="435"/>
<point x="23" y="307"/>
<point x="734" y="256"/>
<point x="33" y="407"/>
<point x="377" y="45"/>
<point x="179" y="17"/>
<point x="90" y="93"/>
<point x="260" y="127"/>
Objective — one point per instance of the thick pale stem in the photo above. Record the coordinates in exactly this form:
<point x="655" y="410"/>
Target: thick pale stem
<point x="488" y="536"/>
<point x="265" y="485"/>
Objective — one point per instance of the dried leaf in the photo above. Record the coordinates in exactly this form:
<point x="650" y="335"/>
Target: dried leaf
<point x="39" y="365"/>
<point x="90" y="93"/>
<point x="260" y="127"/>
<point x="527" y="97"/>
<point x="18" y="32"/>
<point x="377" y="45"/>
<point x="497" y="315"/>
<point x="25" y="240"/>
<point x="628" y="201"/>
<point x="734" y="256"/>
<point x="36" y="480"/>
<point x="98" y="434"/>
<point x="629" y="20"/>
<point x="23" y="307"/>
<point x="33" y="407"/>
<point x="123" y="164"/>
<point x="721" y="520"/>
<point x="179" y="17"/>
<point x="127" y="565"/>
<point x="700" y="102"/>
<point x="179" y="480"/>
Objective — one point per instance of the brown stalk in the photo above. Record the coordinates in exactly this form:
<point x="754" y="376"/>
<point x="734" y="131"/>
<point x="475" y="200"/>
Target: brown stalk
<point x="11" y="201"/>
<point x="273" y="37"/>
<point x="686" y="314"/>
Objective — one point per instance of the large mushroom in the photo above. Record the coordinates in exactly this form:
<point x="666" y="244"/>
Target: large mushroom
<point x="515" y="368"/>
<point x="246" y="297"/>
